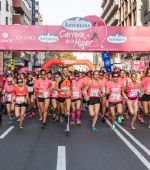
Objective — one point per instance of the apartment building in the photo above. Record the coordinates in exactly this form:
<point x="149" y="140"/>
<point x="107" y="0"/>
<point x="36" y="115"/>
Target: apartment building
<point x="22" y="12"/>
<point x="110" y="12"/>
<point x="126" y="12"/>
<point x="5" y="12"/>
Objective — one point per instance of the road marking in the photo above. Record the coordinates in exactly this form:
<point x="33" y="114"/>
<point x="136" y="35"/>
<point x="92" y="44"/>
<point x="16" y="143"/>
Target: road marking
<point x="6" y="132"/>
<point x="134" y="139"/>
<point x="133" y="149"/>
<point x="61" y="158"/>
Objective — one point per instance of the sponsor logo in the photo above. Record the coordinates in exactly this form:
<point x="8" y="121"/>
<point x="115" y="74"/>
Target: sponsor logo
<point x="5" y="38"/>
<point x="107" y="63"/>
<point x="48" y="38"/>
<point x="5" y="35"/>
<point x="77" y="24"/>
<point x="116" y="39"/>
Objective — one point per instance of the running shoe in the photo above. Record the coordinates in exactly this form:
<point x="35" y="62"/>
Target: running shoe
<point x="132" y="127"/>
<point x="149" y="126"/>
<point x="113" y="127"/>
<point x="78" y="122"/>
<point x="67" y="130"/>
<point x="61" y="119"/>
<point x="72" y="122"/>
<point x="119" y="119"/>
<point x="94" y="129"/>
<point x="142" y="120"/>
<point x="43" y="126"/>
<point x="21" y="127"/>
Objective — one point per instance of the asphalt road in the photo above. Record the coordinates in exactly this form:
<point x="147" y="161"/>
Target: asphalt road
<point x="35" y="149"/>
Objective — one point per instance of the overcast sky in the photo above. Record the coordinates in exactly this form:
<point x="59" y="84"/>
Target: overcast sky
<point x="54" y="12"/>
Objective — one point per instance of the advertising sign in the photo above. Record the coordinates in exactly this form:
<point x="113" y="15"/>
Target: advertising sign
<point x="139" y="65"/>
<point x="107" y="61"/>
<point x="75" y="34"/>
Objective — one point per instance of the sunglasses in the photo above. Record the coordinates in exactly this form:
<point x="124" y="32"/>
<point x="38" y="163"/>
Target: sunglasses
<point x="77" y="76"/>
<point x="115" y="76"/>
<point x="20" y="82"/>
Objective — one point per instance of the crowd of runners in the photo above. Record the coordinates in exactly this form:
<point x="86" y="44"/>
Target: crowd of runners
<point x="64" y="95"/>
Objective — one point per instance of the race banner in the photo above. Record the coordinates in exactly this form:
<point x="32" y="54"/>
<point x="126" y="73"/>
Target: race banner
<point x="75" y="34"/>
<point x="107" y="62"/>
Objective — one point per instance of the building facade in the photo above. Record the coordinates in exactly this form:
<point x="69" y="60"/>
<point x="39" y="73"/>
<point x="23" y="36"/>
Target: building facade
<point x="6" y="12"/>
<point x="22" y="12"/>
<point x="126" y="12"/>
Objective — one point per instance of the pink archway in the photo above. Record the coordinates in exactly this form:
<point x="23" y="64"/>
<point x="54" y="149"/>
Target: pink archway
<point x="52" y="62"/>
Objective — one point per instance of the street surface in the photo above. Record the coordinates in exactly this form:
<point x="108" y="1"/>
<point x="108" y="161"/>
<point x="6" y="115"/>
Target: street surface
<point x="32" y="148"/>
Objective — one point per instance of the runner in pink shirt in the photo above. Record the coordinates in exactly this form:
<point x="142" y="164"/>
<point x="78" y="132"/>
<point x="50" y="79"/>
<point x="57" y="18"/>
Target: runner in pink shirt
<point x="8" y="93"/>
<point x="115" y="90"/>
<point x="54" y="98"/>
<point x="76" y="98"/>
<point x="123" y="80"/>
<point x="103" y="102"/>
<point x="132" y="90"/>
<point x="92" y="94"/>
<point x="146" y="89"/>
<point x="43" y="87"/>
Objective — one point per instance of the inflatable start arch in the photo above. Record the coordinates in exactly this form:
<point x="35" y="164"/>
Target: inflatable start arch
<point x="51" y="62"/>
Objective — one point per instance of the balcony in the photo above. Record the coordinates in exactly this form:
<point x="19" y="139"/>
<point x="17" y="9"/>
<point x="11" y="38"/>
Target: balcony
<point x="114" y="21"/>
<point x="20" y="8"/>
<point x="106" y="8"/>
<point x="111" y="12"/>
<point x="18" y="19"/>
<point x="103" y="3"/>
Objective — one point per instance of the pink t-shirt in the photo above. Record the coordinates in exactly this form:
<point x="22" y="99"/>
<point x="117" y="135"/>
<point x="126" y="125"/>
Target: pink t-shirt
<point x="77" y="89"/>
<point x="43" y="87"/>
<point x="146" y="85"/>
<point x="85" y="80"/>
<point x="133" y="91"/>
<point x="115" y="89"/>
<point x="123" y="81"/>
<point x="9" y="89"/>
<point x="94" y="90"/>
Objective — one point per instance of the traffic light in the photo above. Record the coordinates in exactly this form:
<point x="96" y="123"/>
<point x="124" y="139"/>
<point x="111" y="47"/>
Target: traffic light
<point x="12" y="63"/>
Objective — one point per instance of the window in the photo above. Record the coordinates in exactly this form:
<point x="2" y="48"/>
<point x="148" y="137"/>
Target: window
<point x="7" y="21"/>
<point x="7" y="6"/>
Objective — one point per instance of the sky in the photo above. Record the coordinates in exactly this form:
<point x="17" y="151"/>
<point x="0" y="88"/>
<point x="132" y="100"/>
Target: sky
<point x="54" y="12"/>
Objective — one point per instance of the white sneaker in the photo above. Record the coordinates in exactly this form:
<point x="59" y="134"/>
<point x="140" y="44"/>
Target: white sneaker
<point x="149" y="126"/>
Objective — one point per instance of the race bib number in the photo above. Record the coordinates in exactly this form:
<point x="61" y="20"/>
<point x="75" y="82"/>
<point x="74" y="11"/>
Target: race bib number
<point x="20" y="100"/>
<point x="30" y="88"/>
<point x="75" y="93"/>
<point x="115" y="96"/>
<point x="94" y="93"/>
<point x="55" y="93"/>
<point x="44" y="94"/>
<point x="65" y="90"/>
<point x="9" y="97"/>
<point x="134" y="93"/>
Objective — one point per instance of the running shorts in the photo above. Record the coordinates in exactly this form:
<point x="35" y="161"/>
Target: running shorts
<point x="146" y="98"/>
<point x="94" y="100"/>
